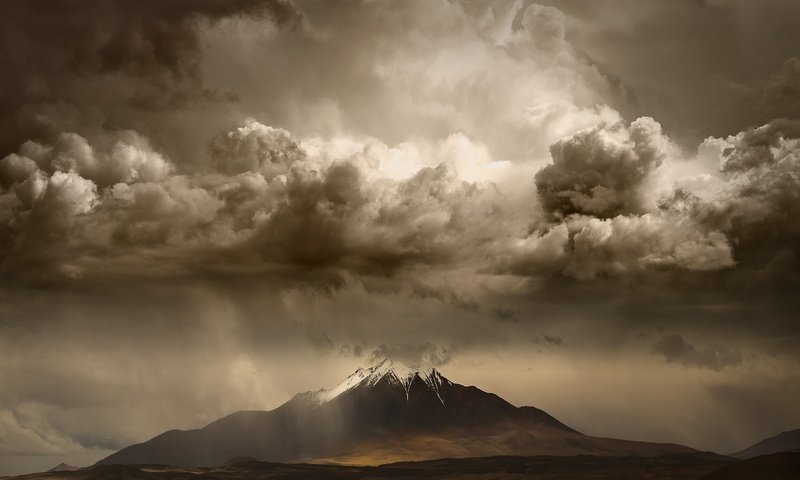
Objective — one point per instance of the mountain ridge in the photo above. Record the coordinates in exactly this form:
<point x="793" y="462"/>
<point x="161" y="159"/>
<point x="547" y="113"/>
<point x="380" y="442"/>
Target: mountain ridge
<point x="786" y="441"/>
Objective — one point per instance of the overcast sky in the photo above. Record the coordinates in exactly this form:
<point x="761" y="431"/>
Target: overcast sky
<point x="211" y="205"/>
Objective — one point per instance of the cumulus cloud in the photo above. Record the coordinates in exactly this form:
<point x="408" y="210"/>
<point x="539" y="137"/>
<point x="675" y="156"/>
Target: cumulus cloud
<point x="254" y="147"/>
<point x="675" y="349"/>
<point x="541" y="252"/>
<point x="319" y="203"/>
<point x="129" y="159"/>
<point x="601" y="171"/>
<point x="756" y="194"/>
<point x="629" y="244"/>
<point x="267" y="197"/>
<point x="598" y="195"/>
<point x="585" y="247"/>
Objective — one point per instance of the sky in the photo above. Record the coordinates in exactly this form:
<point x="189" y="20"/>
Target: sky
<point x="211" y="205"/>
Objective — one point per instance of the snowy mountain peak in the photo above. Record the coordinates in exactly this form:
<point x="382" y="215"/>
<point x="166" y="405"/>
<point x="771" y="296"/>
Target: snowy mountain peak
<point x="395" y="372"/>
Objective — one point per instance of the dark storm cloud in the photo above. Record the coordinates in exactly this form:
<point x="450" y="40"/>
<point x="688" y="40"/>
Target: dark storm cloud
<point x="141" y="39"/>
<point x="688" y="64"/>
<point x="675" y="349"/>
<point x="148" y="53"/>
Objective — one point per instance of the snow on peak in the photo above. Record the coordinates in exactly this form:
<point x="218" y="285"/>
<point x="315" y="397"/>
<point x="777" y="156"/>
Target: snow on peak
<point x="395" y="372"/>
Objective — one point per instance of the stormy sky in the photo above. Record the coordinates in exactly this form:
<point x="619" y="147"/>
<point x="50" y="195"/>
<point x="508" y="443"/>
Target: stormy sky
<point x="211" y="205"/>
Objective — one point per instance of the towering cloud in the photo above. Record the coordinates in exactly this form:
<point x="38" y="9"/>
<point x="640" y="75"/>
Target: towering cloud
<point x="602" y="171"/>
<point x="757" y="200"/>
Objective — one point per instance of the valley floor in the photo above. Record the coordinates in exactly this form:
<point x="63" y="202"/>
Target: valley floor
<point x="689" y="467"/>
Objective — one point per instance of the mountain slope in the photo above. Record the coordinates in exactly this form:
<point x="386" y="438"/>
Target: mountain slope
<point x="385" y="413"/>
<point x="782" y="442"/>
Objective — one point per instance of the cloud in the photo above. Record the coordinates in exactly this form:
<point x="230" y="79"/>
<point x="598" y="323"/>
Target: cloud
<point x="254" y="147"/>
<point x="505" y="315"/>
<point x="675" y="349"/>
<point x="109" y="55"/>
<point x="680" y="93"/>
<point x="172" y="212"/>
<point x="157" y="38"/>
<point x="756" y="147"/>
<point x="129" y="159"/>
<point x="601" y="171"/>
<point x="413" y="354"/>
<point x="781" y="94"/>
<point x="629" y="244"/>
<point x="27" y="432"/>
<point x="585" y="248"/>
<point x="314" y="203"/>
<point x="273" y="199"/>
<point x="549" y="341"/>
<point x="269" y="198"/>
<point x="756" y="193"/>
<point x="473" y="70"/>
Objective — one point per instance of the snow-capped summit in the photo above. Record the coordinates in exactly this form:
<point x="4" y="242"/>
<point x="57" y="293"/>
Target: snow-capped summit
<point x="395" y="373"/>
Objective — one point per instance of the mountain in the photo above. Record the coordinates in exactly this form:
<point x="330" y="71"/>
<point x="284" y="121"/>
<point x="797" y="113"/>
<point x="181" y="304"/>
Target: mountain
<point x="782" y="442"/>
<point x="63" y="467"/>
<point x="388" y="412"/>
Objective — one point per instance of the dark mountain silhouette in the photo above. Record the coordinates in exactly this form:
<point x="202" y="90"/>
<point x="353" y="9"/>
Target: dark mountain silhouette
<point x="385" y="413"/>
<point x="782" y="442"/>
